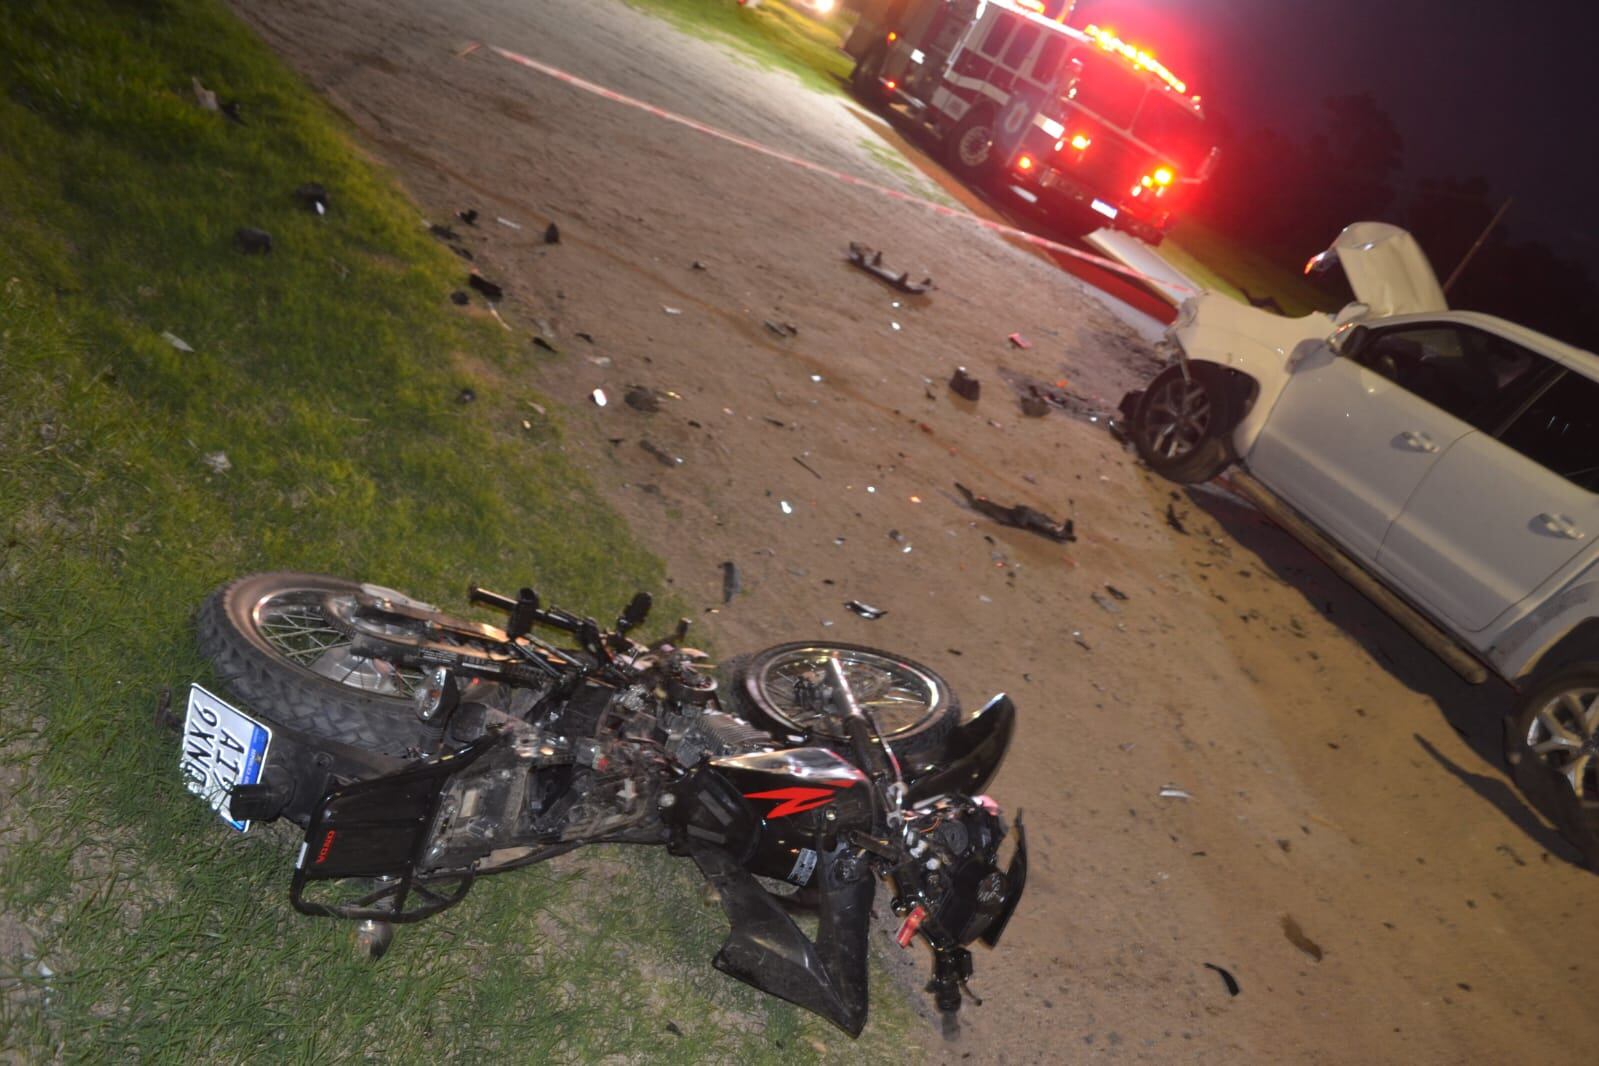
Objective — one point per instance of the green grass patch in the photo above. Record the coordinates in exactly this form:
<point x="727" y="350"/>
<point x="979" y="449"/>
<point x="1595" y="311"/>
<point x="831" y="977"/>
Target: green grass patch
<point x="776" y="34"/>
<point x="1223" y="265"/>
<point x="132" y="925"/>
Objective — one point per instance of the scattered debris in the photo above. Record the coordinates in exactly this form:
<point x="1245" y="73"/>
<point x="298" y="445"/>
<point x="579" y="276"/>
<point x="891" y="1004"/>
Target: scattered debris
<point x="1034" y="404"/>
<point x="466" y="395"/>
<point x="313" y="197"/>
<point x="782" y="329"/>
<point x="1173" y="792"/>
<point x="1228" y="979"/>
<point x="599" y="360"/>
<point x="666" y="457"/>
<point x="216" y="462"/>
<point x="865" y="610"/>
<point x="508" y="223"/>
<point x="459" y="298"/>
<point x="176" y="341"/>
<point x="1077" y="638"/>
<point x="491" y="292"/>
<point x="1020" y="516"/>
<point x="469" y="216"/>
<point x="231" y="109"/>
<point x="467" y="50"/>
<point x="808" y="467"/>
<point x="443" y="233"/>
<point x="539" y="341"/>
<point x="1019" y="341"/>
<point x="964" y="385"/>
<point x="1174" y="520"/>
<point x="1116" y="593"/>
<point x="896" y="536"/>
<point x="1296" y="936"/>
<point x="672" y="310"/>
<point x="582" y="336"/>
<point x="641" y="398"/>
<point x="697" y="265"/>
<point x="672" y="1028"/>
<point x="732" y="585"/>
<point x="1105" y="603"/>
<point x="552" y="234"/>
<point x="872" y="262"/>
<point x="203" y="96"/>
<point x="786" y="507"/>
<point x="598" y="396"/>
<point x="252" y="241"/>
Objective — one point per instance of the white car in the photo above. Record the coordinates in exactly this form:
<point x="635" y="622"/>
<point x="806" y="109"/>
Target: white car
<point x="1446" y="462"/>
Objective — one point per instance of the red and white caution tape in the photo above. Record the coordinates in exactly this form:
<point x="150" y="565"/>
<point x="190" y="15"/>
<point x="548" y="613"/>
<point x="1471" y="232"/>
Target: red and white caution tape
<point x="837" y="175"/>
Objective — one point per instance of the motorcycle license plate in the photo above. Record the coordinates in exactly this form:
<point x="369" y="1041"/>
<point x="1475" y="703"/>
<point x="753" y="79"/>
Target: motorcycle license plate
<point x="222" y="747"/>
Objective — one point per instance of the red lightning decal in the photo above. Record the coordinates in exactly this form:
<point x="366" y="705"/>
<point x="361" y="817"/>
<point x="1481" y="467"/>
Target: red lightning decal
<point x="795" y="800"/>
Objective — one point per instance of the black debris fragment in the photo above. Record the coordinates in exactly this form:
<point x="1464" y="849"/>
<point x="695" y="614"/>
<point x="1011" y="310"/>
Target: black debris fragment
<point x="1020" y="516"/>
<point x="697" y="265"/>
<point x="552" y="234"/>
<point x="872" y="262"/>
<point x="232" y="109"/>
<point x="1174" y="520"/>
<point x="539" y="341"/>
<point x="1296" y="936"/>
<point x="672" y="1028"/>
<point x="808" y="467"/>
<point x="469" y="216"/>
<point x="865" y="610"/>
<point x="1116" y="592"/>
<point x="642" y="398"/>
<point x="1034" y="405"/>
<point x="313" y="197"/>
<point x="460" y="298"/>
<point x="252" y="241"/>
<point x="964" y="385"/>
<point x="491" y="292"/>
<point x="732" y="585"/>
<point x="782" y="329"/>
<point x="1228" y="979"/>
<point x="582" y="336"/>
<point x="443" y="233"/>
<point x="466" y="395"/>
<point x="666" y="458"/>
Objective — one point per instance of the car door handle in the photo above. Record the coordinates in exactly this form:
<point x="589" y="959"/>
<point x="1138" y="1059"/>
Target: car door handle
<point x="1419" y="441"/>
<point x="1560" y="526"/>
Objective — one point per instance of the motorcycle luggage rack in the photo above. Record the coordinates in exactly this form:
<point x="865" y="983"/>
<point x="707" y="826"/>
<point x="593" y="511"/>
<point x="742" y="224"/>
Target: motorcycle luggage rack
<point x="376" y="831"/>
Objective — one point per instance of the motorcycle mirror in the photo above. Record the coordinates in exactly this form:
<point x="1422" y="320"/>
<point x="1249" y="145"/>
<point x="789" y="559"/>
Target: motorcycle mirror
<point x="638" y="609"/>
<point x="523" y="614"/>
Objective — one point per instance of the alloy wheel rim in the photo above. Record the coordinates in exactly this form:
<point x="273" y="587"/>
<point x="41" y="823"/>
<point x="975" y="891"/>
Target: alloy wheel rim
<point x="1178" y="418"/>
<point x="1564" y="735"/>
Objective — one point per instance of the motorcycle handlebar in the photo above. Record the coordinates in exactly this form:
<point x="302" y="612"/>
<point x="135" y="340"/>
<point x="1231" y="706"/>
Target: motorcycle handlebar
<point x="474" y="594"/>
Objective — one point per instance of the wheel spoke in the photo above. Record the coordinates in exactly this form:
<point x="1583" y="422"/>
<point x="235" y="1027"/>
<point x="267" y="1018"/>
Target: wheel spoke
<point x="1574" y="771"/>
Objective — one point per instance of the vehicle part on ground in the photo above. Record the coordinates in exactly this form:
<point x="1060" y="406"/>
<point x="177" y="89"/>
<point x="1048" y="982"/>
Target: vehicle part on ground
<point x="1180" y="425"/>
<point x="1020" y="516"/>
<point x="871" y="261"/>
<point x="422" y="752"/>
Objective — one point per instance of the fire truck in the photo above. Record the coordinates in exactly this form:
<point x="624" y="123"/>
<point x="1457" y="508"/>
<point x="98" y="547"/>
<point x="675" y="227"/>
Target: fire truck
<point x="1068" y="119"/>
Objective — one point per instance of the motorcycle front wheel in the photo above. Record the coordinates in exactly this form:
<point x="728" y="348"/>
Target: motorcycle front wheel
<point x="286" y="644"/>
<point x="781" y="689"/>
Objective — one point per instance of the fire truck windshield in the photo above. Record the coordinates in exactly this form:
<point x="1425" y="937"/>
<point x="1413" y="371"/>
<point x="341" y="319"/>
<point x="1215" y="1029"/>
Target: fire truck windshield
<point x="1107" y="88"/>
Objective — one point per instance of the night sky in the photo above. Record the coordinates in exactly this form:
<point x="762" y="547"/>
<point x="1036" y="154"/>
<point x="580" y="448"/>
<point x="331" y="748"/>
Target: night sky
<point x="1505" y="91"/>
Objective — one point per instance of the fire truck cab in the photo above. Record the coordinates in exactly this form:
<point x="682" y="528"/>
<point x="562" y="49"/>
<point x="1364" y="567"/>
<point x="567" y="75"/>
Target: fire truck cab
<point x="1067" y="119"/>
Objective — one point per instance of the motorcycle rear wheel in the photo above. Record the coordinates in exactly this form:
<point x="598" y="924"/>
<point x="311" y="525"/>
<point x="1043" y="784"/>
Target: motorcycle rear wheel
<point x="913" y="707"/>
<point x="282" y="644"/>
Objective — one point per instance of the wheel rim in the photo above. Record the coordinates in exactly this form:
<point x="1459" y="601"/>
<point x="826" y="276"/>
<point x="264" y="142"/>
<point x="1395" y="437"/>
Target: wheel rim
<point x="974" y="146"/>
<point x="897" y="696"/>
<point x="295" y="625"/>
<point x="1178" y="418"/>
<point x="1564" y="736"/>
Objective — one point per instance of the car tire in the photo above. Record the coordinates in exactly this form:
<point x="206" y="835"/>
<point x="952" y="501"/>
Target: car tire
<point x="1552" y="746"/>
<point x="1182" y="423"/>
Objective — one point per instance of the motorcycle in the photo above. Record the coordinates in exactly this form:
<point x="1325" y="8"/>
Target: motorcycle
<point x="421" y="751"/>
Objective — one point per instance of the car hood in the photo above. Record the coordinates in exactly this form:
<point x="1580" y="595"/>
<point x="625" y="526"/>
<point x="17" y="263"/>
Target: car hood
<point x="1386" y="268"/>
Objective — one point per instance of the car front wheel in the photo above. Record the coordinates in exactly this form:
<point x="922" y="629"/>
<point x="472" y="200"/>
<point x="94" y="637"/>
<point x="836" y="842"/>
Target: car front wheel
<point x="1553" y="751"/>
<point x="1180" y="426"/>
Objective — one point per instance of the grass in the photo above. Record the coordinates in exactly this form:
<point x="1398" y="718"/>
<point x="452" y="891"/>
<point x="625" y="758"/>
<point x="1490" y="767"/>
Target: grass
<point x="777" y="34"/>
<point x="132" y="925"/>
<point x="1223" y="265"/>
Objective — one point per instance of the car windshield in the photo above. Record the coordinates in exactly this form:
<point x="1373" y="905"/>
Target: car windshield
<point x="1172" y="128"/>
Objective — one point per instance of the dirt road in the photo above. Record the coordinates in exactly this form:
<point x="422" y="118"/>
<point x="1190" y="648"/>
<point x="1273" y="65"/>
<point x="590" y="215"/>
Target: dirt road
<point x="1350" y="851"/>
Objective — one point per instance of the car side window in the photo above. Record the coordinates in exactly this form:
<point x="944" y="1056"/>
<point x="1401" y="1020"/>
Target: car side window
<point x="1560" y="430"/>
<point x="1463" y="371"/>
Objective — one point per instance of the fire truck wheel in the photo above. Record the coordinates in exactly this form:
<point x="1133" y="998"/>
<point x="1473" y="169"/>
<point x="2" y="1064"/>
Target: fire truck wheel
<point x="863" y="81"/>
<point x="970" y="145"/>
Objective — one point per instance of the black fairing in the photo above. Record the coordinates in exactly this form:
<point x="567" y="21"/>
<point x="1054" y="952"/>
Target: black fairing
<point x="797" y="797"/>
<point x="969" y="756"/>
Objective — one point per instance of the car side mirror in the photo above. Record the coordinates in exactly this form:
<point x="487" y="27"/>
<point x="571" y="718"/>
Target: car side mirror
<point x="1351" y="312"/>
<point x="1348" y="341"/>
